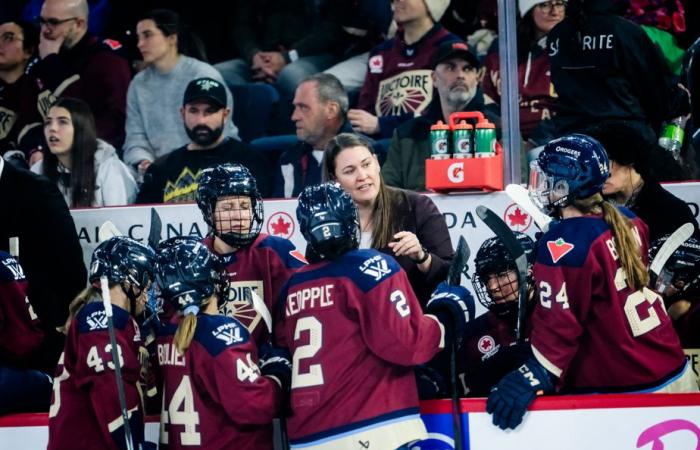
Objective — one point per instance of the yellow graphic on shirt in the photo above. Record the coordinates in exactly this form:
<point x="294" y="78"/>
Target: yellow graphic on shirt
<point x="7" y="120"/>
<point x="407" y="92"/>
<point x="183" y="189"/>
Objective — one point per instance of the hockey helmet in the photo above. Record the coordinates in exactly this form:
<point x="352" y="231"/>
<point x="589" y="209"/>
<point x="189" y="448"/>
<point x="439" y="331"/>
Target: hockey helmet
<point x="680" y="276"/>
<point x="568" y="168"/>
<point x="188" y="273"/>
<point x="228" y="180"/>
<point x="493" y="258"/>
<point x="121" y="259"/>
<point x="328" y="220"/>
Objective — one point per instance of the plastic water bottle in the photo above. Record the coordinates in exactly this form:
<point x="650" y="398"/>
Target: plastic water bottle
<point x="672" y="136"/>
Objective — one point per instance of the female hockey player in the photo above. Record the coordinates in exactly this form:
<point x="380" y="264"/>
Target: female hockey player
<point x="355" y="329"/>
<point x="214" y="396"/>
<point x="258" y="264"/>
<point x="85" y="408"/>
<point x="596" y="326"/>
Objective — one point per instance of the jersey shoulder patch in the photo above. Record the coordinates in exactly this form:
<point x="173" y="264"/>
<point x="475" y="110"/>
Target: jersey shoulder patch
<point x="112" y="44"/>
<point x="284" y="249"/>
<point x="93" y="317"/>
<point x="10" y="270"/>
<point x="369" y="267"/>
<point x="568" y="243"/>
<point x="217" y="333"/>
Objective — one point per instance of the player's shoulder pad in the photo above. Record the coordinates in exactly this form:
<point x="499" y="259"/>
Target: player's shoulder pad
<point x="368" y="267"/>
<point x="10" y="270"/>
<point x="217" y="333"/>
<point x="627" y="212"/>
<point x="92" y="318"/>
<point x="567" y="243"/>
<point x="285" y="250"/>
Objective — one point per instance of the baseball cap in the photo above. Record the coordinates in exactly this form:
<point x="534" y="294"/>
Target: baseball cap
<point x="205" y="89"/>
<point x="459" y="49"/>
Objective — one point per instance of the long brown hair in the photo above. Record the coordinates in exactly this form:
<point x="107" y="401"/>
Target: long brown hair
<point x="626" y="243"/>
<point x="384" y="223"/>
<point x="83" y="148"/>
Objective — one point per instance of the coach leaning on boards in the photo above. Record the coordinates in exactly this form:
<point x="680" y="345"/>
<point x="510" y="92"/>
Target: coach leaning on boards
<point x="33" y="210"/>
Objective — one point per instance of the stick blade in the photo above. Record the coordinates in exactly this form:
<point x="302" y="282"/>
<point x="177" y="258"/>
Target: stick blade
<point x="520" y="195"/>
<point x="675" y="240"/>
<point x="155" y="230"/>
<point x="459" y="263"/>
<point x="108" y="230"/>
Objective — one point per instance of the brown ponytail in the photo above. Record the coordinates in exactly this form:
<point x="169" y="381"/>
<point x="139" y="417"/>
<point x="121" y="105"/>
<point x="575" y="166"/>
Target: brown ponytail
<point x="626" y="244"/>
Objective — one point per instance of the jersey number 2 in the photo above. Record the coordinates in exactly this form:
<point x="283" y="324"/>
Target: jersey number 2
<point x="314" y="376"/>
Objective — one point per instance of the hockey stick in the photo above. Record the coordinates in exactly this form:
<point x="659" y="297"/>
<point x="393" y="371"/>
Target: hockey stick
<point x="505" y="234"/>
<point x="454" y="276"/>
<point x="14" y="246"/>
<point x="520" y="196"/>
<point x="154" y="231"/>
<point x="675" y="240"/>
<point x="108" y="230"/>
<point x="262" y="309"/>
<point x="107" y="302"/>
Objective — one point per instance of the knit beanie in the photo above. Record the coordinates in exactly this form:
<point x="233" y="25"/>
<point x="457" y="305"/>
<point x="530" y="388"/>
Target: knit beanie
<point x="526" y="5"/>
<point x="436" y="8"/>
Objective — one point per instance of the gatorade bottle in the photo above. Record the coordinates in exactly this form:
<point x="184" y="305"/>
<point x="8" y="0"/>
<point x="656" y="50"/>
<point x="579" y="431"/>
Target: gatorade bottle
<point x="485" y="140"/>
<point x="462" y="140"/>
<point x="439" y="141"/>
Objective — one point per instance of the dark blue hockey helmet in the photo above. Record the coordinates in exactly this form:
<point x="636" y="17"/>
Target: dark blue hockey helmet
<point x="493" y="259"/>
<point x="328" y="220"/>
<point x="230" y="180"/>
<point x="569" y="168"/>
<point x="188" y="273"/>
<point x="680" y="276"/>
<point x="122" y="259"/>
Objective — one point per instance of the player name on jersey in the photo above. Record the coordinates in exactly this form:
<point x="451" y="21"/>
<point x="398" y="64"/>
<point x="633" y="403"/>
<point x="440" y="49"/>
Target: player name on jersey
<point x="168" y="355"/>
<point x="316" y="297"/>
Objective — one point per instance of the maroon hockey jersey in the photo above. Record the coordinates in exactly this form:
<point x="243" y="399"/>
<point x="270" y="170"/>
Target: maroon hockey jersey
<point x="85" y="411"/>
<point x="20" y="334"/>
<point x="261" y="268"/>
<point x="214" y="396"/>
<point x="590" y="328"/>
<point x="354" y="328"/>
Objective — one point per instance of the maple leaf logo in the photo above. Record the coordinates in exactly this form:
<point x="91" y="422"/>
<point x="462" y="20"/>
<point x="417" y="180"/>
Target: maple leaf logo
<point x="280" y="227"/>
<point x="518" y="218"/>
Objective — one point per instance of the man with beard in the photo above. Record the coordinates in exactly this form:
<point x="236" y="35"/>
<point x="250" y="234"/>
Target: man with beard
<point x="456" y="77"/>
<point x="172" y="178"/>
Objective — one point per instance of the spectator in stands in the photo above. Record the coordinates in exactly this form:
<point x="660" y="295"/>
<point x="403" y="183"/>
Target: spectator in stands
<point x="320" y="106"/>
<point x="632" y="182"/>
<point x="535" y="88"/>
<point x="34" y="211"/>
<point x="19" y="116"/>
<point x="86" y="169"/>
<point x="22" y="388"/>
<point x="173" y="177"/>
<point x="283" y="41"/>
<point x="74" y="63"/>
<point x="605" y="67"/>
<point x="398" y="85"/>
<point x="403" y="224"/>
<point x="153" y="122"/>
<point x="456" y="78"/>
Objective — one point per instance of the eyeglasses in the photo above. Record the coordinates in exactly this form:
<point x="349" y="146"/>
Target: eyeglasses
<point x="9" y="37"/>
<point x="53" y="23"/>
<point x="548" y="7"/>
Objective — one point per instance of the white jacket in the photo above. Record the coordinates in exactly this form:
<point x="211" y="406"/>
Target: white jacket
<point x="113" y="181"/>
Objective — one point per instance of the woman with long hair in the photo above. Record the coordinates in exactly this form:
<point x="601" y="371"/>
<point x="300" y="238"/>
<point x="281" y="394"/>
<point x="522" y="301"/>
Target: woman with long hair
<point x="86" y="411"/>
<point x="155" y="97"/>
<point x="86" y="169"/>
<point x="213" y="393"/>
<point x="597" y="327"/>
<point x="400" y="223"/>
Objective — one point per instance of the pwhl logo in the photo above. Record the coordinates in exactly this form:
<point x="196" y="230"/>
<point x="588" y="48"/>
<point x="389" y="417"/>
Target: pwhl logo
<point x="229" y="333"/>
<point x="516" y="218"/>
<point x="375" y="267"/>
<point x="280" y="224"/>
<point x="97" y="320"/>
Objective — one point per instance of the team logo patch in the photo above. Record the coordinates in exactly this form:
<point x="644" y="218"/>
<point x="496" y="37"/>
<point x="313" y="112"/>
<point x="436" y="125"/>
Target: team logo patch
<point x="376" y="64"/>
<point x="376" y="267"/>
<point x="408" y="92"/>
<point x="280" y="224"/>
<point x="97" y="320"/>
<point x="111" y="43"/>
<point x="486" y="344"/>
<point x="296" y="254"/>
<point x="230" y="333"/>
<point x="516" y="218"/>
<point x="558" y="249"/>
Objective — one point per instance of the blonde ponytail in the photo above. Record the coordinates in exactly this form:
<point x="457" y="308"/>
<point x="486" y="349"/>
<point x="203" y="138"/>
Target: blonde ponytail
<point x="185" y="333"/>
<point x="626" y="244"/>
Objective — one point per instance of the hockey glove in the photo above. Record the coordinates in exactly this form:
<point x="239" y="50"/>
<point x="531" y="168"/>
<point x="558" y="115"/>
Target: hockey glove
<point x="429" y="382"/>
<point x="512" y="395"/>
<point x="454" y="307"/>
<point x="275" y="362"/>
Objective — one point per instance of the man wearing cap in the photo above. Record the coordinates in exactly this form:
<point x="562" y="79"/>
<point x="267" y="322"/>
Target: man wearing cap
<point x="456" y="78"/>
<point x="398" y="85"/>
<point x="173" y="177"/>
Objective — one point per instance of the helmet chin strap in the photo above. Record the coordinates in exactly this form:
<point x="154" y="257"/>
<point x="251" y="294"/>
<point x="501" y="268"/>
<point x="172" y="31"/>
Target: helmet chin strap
<point x="132" y="296"/>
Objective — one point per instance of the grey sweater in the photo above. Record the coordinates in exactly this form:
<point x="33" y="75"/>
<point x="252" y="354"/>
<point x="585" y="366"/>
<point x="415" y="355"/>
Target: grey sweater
<point x="154" y="125"/>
